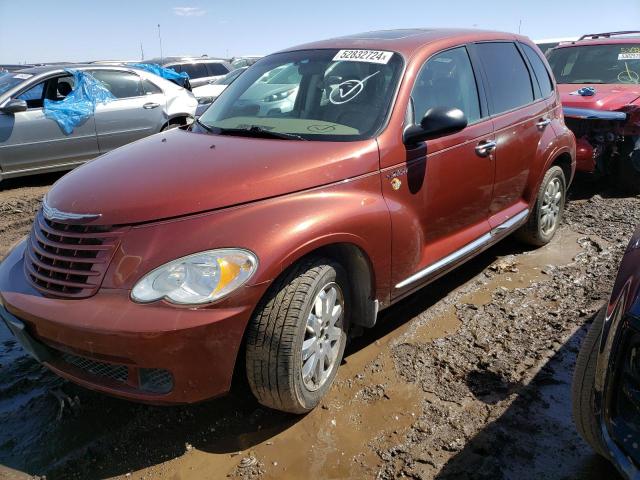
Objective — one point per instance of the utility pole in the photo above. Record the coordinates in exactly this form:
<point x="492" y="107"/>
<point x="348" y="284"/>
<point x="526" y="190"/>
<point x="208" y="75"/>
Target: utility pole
<point x="141" y="53"/>
<point x="519" y="27"/>
<point x="160" y="38"/>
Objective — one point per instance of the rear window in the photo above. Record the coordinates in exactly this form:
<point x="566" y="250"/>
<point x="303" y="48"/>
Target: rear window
<point x="216" y="69"/>
<point x="507" y="75"/>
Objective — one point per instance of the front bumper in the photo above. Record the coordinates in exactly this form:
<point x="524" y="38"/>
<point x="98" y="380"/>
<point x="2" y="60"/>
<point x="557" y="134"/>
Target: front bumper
<point x="111" y="344"/>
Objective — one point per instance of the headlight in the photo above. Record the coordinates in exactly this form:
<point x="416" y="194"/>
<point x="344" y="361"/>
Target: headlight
<point x="205" y="100"/>
<point x="278" y="96"/>
<point x="199" y="278"/>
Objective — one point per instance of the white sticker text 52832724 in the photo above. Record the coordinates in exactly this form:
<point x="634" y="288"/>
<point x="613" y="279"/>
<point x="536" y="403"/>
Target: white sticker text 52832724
<point x="369" y="56"/>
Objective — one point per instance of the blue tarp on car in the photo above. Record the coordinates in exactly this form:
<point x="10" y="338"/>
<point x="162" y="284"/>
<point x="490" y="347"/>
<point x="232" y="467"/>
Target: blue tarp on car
<point x="181" y="78"/>
<point x="79" y="104"/>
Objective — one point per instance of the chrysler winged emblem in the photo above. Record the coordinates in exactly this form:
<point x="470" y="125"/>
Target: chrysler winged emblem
<point x="55" y="215"/>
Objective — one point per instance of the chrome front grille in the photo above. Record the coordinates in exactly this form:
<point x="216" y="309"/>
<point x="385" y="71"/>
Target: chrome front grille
<point x="69" y="260"/>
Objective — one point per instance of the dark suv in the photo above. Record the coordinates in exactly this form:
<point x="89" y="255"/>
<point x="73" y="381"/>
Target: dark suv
<point x="259" y="236"/>
<point x="606" y="383"/>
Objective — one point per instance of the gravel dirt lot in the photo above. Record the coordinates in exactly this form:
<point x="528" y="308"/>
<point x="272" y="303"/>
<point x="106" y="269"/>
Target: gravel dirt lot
<point x="468" y="378"/>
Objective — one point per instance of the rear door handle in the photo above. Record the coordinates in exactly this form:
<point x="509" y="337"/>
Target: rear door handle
<point x="543" y="123"/>
<point x="484" y="148"/>
<point x="150" y="105"/>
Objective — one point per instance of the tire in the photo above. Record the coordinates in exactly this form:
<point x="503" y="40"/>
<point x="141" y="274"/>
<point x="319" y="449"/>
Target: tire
<point x="171" y="126"/>
<point x="537" y="231"/>
<point x="277" y="374"/>
<point x="627" y="175"/>
<point x="582" y="388"/>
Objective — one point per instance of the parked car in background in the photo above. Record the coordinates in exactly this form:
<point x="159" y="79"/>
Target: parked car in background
<point x="606" y="382"/>
<point x="247" y="61"/>
<point x="200" y="69"/>
<point x="599" y="81"/>
<point x="206" y="94"/>
<point x="12" y="67"/>
<point x="144" y="104"/>
<point x="278" y="229"/>
<point x="546" y="44"/>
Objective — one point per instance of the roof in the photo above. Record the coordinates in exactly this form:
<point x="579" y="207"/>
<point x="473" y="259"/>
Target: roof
<point x="406" y="41"/>
<point x="80" y="66"/>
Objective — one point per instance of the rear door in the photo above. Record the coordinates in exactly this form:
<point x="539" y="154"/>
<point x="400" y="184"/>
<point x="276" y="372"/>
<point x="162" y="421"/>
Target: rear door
<point x="30" y="141"/>
<point x="133" y="115"/>
<point x="518" y="113"/>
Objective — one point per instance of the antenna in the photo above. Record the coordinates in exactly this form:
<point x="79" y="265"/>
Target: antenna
<point x="160" y="38"/>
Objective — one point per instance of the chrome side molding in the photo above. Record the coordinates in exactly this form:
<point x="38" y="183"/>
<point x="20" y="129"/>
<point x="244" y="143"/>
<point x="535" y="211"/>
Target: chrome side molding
<point x="469" y="248"/>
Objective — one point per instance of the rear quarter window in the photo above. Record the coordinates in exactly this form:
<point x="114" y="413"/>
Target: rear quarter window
<point x="539" y="69"/>
<point x="508" y="79"/>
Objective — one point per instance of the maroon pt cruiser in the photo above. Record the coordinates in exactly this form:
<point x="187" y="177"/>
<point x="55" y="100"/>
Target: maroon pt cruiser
<point x="325" y="184"/>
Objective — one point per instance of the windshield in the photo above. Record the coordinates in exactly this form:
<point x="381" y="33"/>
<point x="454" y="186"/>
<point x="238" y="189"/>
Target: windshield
<point x="330" y="95"/>
<point x="9" y="80"/>
<point x="596" y="64"/>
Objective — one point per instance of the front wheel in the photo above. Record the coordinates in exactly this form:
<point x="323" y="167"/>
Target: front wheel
<point x="297" y="336"/>
<point x="547" y="212"/>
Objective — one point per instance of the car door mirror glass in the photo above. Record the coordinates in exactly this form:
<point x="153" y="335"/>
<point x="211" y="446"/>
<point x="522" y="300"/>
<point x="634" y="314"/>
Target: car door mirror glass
<point x="437" y="121"/>
<point x="15" y="105"/>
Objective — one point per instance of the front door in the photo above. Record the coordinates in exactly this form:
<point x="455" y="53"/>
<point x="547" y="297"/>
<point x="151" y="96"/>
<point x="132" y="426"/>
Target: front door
<point x="29" y="141"/>
<point x="439" y="193"/>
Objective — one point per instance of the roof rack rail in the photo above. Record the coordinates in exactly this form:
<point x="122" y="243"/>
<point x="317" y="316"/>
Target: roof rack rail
<point x="607" y="34"/>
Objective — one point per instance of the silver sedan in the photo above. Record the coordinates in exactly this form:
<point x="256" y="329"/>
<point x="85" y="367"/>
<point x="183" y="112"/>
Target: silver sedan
<point x="143" y="104"/>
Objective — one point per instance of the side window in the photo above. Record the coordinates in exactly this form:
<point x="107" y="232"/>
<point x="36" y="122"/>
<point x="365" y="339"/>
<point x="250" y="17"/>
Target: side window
<point x="150" y="88"/>
<point x="33" y="96"/>
<point x="195" y="70"/>
<point x="447" y="80"/>
<point x="120" y="84"/>
<point x="507" y="75"/>
<point x="216" y="69"/>
<point x="539" y="69"/>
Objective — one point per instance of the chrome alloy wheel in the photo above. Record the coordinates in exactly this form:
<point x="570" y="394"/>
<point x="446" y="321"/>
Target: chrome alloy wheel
<point x="550" y="211"/>
<point x="322" y="337"/>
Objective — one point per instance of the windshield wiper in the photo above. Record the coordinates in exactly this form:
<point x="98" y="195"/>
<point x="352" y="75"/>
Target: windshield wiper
<point x="259" y="132"/>
<point x="205" y="126"/>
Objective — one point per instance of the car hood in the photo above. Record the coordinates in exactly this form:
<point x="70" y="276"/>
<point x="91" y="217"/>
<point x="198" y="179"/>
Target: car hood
<point x="179" y="172"/>
<point x="609" y="97"/>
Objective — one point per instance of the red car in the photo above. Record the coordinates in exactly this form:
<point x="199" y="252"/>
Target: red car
<point x="256" y="238"/>
<point x="599" y="81"/>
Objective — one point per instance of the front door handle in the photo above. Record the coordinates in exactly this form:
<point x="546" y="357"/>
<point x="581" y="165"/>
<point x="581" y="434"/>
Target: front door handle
<point x="484" y="148"/>
<point x="543" y="123"/>
<point x="150" y="105"/>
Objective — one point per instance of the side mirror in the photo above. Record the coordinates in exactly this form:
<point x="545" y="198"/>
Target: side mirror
<point x="14" y="105"/>
<point x="436" y="122"/>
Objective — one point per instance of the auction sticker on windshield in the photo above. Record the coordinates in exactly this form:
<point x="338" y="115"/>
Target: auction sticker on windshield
<point x="369" y="56"/>
<point x="632" y="53"/>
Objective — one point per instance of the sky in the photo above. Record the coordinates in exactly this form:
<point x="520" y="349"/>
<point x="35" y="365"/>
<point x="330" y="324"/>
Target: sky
<point x="45" y="31"/>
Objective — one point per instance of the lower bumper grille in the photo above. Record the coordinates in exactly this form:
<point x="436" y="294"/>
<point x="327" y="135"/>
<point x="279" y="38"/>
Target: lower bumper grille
<point x="148" y="380"/>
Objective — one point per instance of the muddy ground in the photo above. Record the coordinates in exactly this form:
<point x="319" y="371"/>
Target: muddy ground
<point x="468" y="378"/>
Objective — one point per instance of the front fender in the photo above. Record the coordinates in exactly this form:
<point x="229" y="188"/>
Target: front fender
<point x="279" y="231"/>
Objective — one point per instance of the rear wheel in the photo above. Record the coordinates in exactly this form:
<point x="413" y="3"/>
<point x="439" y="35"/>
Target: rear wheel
<point x="297" y="336"/>
<point x="547" y="212"/>
<point x="582" y="394"/>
